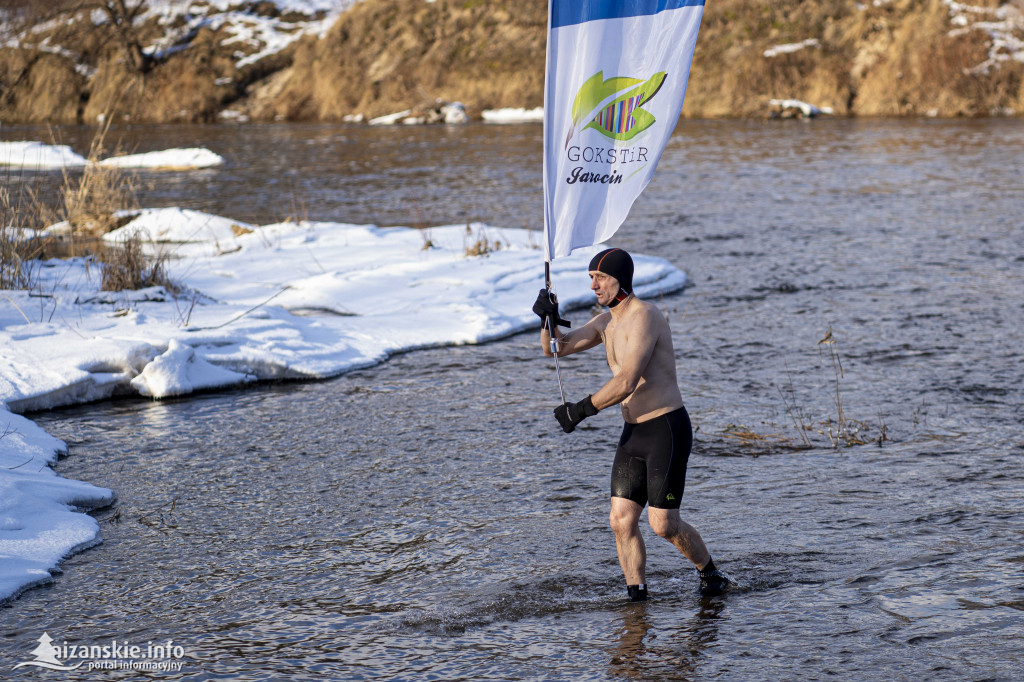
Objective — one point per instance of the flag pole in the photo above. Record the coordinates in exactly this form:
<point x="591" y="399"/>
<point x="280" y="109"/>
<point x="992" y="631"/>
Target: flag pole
<point x="551" y="329"/>
<point x="547" y="213"/>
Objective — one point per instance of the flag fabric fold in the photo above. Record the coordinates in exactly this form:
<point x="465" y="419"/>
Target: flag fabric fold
<point x="616" y="78"/>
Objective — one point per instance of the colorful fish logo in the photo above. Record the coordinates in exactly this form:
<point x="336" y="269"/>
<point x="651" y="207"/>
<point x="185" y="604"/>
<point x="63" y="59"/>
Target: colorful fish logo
<point x="613" y="107"/>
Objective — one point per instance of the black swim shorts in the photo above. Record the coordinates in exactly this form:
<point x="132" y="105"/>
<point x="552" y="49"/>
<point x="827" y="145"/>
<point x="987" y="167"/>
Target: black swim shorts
<point x="650" y="462"/>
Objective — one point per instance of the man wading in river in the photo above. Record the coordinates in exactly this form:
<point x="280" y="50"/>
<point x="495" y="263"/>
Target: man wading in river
<point x="650" y="461"/>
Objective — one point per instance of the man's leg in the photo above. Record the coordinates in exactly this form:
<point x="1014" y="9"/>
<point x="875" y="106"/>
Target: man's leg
<point x="667" y="524"/>
<point x="624" y="519"/>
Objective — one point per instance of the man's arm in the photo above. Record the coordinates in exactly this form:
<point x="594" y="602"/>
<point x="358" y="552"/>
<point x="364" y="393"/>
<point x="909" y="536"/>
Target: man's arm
<point x="586" y="337"/>
<point x="643" y="337"/>
<point x="645" y="330"/>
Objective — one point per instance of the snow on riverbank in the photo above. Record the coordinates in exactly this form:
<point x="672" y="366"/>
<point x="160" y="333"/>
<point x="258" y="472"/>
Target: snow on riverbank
<point x="287" y="300"/>
<point x="35" y="155"/>
<point x="39" y="524"/>
<point x="167" y="159"/>
<point x="789" y="108"/>
<point x="256" y="30"/>
<point x="510" y="115"/>
<point x="259" y="30"/>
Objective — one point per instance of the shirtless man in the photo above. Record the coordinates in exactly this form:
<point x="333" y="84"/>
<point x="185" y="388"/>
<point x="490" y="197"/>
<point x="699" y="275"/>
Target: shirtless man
<point x="650" y="461"/>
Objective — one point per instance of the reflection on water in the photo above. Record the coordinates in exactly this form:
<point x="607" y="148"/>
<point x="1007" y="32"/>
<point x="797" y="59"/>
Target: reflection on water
<point x="644" y="651"/>
<point x="426" y="518"/>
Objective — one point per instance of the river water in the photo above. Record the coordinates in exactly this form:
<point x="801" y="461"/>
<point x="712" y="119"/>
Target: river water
<point x="425" y="519"/>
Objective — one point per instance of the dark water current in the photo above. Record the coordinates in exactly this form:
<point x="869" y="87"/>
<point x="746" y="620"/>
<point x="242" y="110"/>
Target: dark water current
<point x="424" y="520"/>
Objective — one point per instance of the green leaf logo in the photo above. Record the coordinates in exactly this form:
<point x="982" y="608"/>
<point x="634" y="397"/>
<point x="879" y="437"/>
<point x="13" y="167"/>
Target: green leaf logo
<point x="613" y="107"/>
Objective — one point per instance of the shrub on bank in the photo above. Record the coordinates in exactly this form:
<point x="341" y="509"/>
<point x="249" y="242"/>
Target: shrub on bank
<point x="86" y="207"/>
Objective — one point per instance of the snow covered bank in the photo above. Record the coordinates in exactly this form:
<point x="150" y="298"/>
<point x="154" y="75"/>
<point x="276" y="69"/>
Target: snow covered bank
<point x="442" y="112"/>
<point x="788" y="48"/>
<point x="456" y="113"/>
<point x="39" y="524"/>
<point x="1004" y="26"/>
<point x="38" y="156"/>
<point x="794" y="108"/>
<point x="258" y="32"/>
<point x="509" y="115"/>
<point x="167" y="159"/>
<point x="287" y="300"/>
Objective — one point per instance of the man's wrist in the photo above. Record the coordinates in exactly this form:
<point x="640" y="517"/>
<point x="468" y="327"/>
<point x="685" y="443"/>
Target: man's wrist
<point x="569" y="415"/>
<point x="584" y="408"/>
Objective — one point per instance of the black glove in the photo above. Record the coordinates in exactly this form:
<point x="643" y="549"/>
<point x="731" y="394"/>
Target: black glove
<point x="571" y="414"/>
<point x="546" y="306"/>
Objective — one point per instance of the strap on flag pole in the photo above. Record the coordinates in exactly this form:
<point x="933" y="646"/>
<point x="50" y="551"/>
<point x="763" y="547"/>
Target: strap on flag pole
<point x="551" y="329"/>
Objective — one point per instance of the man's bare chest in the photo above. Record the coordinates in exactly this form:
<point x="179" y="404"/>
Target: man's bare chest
<point x="616" y="343"/>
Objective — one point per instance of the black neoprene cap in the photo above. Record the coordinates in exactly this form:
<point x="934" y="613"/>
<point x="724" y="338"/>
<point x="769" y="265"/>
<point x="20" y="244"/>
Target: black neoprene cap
<point x="618" y="264"/>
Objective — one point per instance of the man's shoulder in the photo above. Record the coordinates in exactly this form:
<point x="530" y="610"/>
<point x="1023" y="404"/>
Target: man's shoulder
<point x="601" y="319"/>
<point x="650" y="312"/>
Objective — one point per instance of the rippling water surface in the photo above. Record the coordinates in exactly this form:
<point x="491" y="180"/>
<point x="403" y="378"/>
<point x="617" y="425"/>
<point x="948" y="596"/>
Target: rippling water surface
<point x="425" y="519"/>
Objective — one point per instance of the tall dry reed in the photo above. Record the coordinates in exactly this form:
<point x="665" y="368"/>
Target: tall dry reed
<point x="88" y="205"/>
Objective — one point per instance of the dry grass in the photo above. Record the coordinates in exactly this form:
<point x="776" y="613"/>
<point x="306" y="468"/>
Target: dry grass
<point x="747" y="436"/>
<point x="126" y="266"/>
<point x="17" y="250"/>
<point x="844" y="431"/>
<point x="419" y="225"/>
<point x="793" y="410"/>
<point x="478" y="243"/>
<point x="16" y="258"/>
<point x="89" y="203"/>
<point x="830" y="428"/>
<point x="390" y="55"/>
<point x="878" y="59"/>
<point x="840" y="429"/>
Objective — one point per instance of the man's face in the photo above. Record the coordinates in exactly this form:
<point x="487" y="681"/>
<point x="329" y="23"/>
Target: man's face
<point x="605" y="286"/>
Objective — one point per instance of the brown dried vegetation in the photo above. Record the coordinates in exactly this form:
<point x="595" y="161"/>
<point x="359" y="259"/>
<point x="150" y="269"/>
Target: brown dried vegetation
<point x="899" y="58"/>
<point x="91" y="203"/>
<point x="126" y="266"/>
<point x="388" y="55"/>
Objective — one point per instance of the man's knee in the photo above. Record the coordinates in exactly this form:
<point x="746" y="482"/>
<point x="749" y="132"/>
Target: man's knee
<point x="624" y="516"/>
<point x="664" y="523"/>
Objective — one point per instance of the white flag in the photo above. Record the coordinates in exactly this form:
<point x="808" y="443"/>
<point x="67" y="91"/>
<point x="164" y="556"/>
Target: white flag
<point x="616" y="77"/>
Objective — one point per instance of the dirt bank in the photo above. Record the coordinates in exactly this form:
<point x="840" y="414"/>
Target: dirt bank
<point x="895" y="58"/>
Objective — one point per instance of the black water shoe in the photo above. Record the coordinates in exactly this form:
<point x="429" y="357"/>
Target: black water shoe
<point x="637" y="592"/>
<point x="713" y="582"/>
